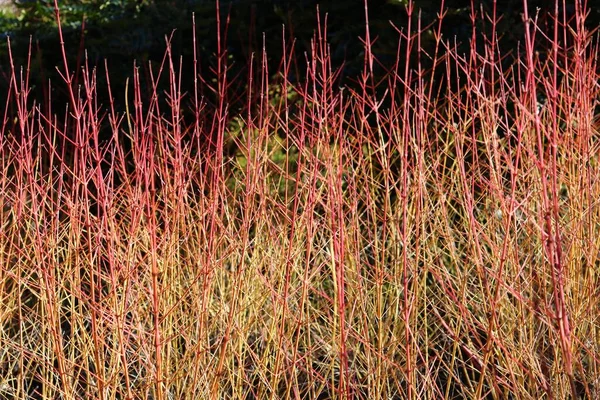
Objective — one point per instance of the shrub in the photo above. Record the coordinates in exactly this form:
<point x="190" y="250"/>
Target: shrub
<point x="315" y="244"/>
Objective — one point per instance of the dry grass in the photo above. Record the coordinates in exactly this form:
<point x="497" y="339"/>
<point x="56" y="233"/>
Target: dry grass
<point x="440" y="247"/>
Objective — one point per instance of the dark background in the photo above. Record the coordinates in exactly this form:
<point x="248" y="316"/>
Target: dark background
<point x="123" y="30"/>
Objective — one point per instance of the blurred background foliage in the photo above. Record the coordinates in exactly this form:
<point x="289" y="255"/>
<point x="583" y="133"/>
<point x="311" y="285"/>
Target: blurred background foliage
<point x="122" y="31"/>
